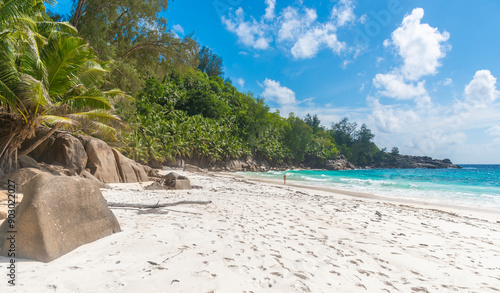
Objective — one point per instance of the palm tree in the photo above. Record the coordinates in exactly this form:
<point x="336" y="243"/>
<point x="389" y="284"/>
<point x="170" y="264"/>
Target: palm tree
<point x="48" y="76"/>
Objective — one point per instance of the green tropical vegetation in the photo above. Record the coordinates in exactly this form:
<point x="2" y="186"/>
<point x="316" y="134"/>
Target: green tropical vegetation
<point x="48" y="76"/>
<point x="65" y="71"/>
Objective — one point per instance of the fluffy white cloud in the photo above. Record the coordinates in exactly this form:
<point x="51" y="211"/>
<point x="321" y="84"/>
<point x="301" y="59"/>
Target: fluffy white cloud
<point x="270" y="9"/>
<point x="420" y="45"/>
<point x="251" y="33"/>
<point x="294" y="23"/>
<point x="394" y="86"/>
<point x="447" y="81"/>
<point x="416" y="131"/>
<point x="277" y="93"/>
<point x="494" y="130"/>
<point x="436" y="131"/>
<point x="287" y="103"/>
<point x="178" y="29"/>
<point x="296" y="29"/>
<point x="481" y="91"/>
<point x="390" y="119"/>
<point x="343" y="12"/>
<point x="308" y="45"/>
<point x="240" y="82"/>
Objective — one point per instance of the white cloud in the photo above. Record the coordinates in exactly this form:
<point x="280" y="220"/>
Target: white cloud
<point x="293" y="23"/>
<point x="481" y="91"/>
<point x="394" y="86"/>
<point x="438" y="131"/>
<point x="297" y="29"/>
<point x="308" y="45"/>
<point x="343" y="12"/>
<point x="390" y="119"/>
<point x="420" y="45"/>
<point x="270" y="9"/>
<point x="446" y="82"/>
<point x="416" y="131"/>
<point x="287" y="103"/>
<point x="240" y="82"/>
<point x="178" y="29"/>
<point x="494" y="130"/>
<point x="277" y="93"/>
<point x="251" y="33"/>
<point x="422" y="129"/>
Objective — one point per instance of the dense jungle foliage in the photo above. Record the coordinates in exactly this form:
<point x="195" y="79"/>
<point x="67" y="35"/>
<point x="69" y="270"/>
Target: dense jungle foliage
<point x="64" y="71"/>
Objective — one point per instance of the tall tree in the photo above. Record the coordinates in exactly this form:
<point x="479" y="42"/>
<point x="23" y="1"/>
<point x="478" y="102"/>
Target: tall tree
<point x="297" y="137"/>
<point x="48" y="76"/>
<point x="344" y="132"/>
<point x="134" y="35"/>
<point x="210" y="63"/>
<point x="313" y="122"/>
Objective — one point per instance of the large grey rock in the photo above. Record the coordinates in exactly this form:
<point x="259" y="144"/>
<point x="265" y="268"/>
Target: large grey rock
<point x="155" y="164"/>
<point x="62" y="149"/>
<point x="28" y="162"/>
<point x="236" y="165"/>
<point x="43" y="147"/>
<point x="69" y="151"/>
<point x="151" y="172"/>
<point x="130" y="170"/>
<point x="192" y="168"/>
<point x="21" y="177"/>
<point x="341" y="163"/>
<point x="57" y="215"/>
<point x="101" y="161"/>
<point x="87" y="175"/>
<point x="175" y="181"/>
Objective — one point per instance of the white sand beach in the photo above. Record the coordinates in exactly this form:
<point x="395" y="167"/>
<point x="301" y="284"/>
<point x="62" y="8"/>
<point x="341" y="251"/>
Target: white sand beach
<point x="262" y="237"/>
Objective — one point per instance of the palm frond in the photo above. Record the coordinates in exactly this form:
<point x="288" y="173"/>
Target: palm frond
<point x="46" y="26"/>
<point x="52" y="120"/>
<point x="118" y="93"/>
<point x="86" y="101"/>
<point x="12" y="9"/>
<point x="63" y="58"/>
<point x="96" y="115"/>
<point x="33" y="94"/>
<point x="91" y="72"/>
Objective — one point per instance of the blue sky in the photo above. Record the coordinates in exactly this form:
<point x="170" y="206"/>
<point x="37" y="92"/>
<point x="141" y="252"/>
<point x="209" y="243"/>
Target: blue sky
<point x="422" y="74"/>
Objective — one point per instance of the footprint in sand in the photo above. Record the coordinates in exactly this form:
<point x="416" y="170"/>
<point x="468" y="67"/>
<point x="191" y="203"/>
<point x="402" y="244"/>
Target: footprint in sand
<point x="267" y="282"/>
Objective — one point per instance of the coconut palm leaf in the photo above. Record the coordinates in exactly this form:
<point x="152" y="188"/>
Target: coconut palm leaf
<point x="53" y="120"/>
<point x="48" y="76"/>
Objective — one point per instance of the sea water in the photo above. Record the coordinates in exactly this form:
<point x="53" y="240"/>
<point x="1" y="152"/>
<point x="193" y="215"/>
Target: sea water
<point x="476" y="186"/>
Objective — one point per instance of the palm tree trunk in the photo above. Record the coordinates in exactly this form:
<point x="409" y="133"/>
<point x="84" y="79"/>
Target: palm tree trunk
<point x="38" y="142"/>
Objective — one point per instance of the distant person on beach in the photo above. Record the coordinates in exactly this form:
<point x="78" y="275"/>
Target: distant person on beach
<point x="284" y="179"/>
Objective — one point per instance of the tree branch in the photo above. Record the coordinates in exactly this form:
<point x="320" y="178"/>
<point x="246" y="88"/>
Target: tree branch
<point x="122" y="14"/>
<point x="38" y="142"/>
<point x="141" y="46"/>
<point x="88" y="18"/>
<point x="154" y="206"/>
<point x="78" y="12"/>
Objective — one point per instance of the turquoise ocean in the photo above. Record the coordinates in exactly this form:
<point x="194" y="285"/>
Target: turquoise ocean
<point x="473" y="186"/>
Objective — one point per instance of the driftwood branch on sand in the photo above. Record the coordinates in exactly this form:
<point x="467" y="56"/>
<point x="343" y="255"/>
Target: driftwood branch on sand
<point x="154" y="206"/>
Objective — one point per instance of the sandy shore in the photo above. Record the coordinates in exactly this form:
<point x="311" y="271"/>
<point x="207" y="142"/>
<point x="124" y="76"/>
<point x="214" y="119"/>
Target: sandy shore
<point x="263" y="237"/>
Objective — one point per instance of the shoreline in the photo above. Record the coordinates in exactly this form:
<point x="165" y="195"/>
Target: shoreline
<point x="369" y="196"/>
